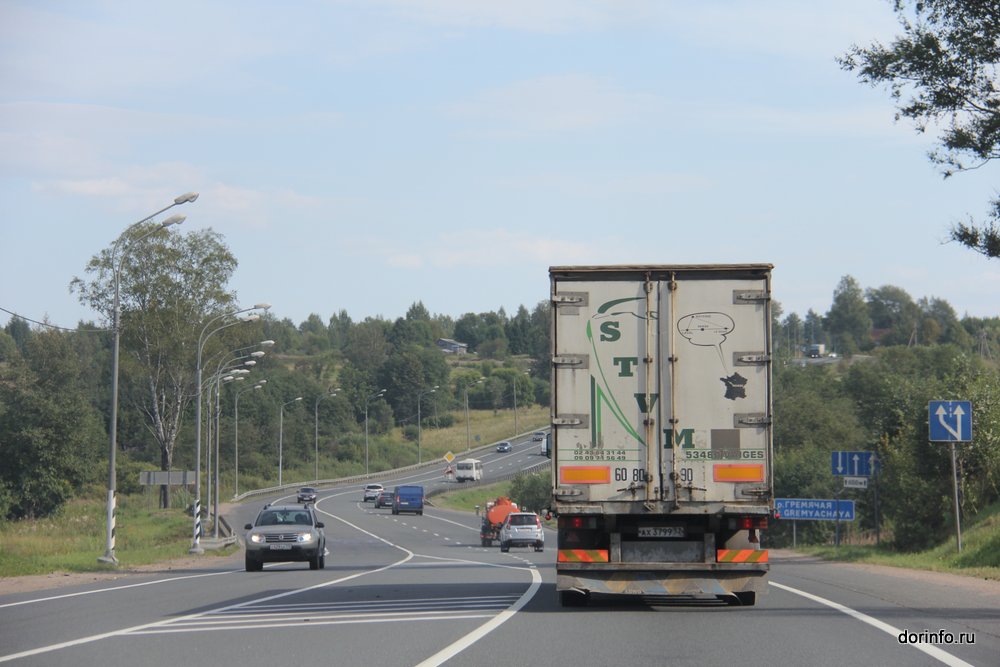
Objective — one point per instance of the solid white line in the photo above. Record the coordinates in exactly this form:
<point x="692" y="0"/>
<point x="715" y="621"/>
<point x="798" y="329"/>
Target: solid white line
<point x="468" y="640"/>
<point x="929" y="649"/>
<point x="116" y="588"/>
<point x="181" y="619"/>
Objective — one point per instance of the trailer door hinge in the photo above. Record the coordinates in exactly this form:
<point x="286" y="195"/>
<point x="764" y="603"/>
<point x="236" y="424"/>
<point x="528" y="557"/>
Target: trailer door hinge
<point x="574" y="361"/>
<point x="750" y="358"/>
<point x="750" y="296"/>
<point x="754" y="419"/>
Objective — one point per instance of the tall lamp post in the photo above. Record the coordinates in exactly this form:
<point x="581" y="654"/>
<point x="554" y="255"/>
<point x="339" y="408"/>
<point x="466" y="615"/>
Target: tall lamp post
<point x="109" y="545"/>
<point x="236" y="430"/>
<point x="419" y="396"/>
<point x="468" y="425"/>
<point x="316" y="426"/>
<point x="202" y="339"/>
<point x="380" y="394"/>
<point x="515" y="403"/>
<point x="281" y="433"/>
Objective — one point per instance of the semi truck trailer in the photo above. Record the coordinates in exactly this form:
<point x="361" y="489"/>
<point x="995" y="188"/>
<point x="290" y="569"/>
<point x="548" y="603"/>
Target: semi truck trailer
<point x="661" y="432"/>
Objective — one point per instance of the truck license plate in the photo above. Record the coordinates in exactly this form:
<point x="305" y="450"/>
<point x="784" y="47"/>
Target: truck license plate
<point x="281" y="547"/>
<point x="661" y="531"/>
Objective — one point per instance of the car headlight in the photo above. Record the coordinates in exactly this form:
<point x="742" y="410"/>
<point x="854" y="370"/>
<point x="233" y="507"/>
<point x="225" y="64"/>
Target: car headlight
<point x="306" y="537"/>
<point x="256" y="538"/>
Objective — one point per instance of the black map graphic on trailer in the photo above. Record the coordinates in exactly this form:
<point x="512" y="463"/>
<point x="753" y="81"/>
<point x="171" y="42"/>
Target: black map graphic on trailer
<point x="710" y="330"/>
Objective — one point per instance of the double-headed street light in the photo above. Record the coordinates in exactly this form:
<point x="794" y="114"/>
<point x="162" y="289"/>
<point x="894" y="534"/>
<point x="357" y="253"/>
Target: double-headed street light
<point x="281" y="433"/>
<point x="319" y="398"/>
<point x="468" y="427"/>
<point x="380" y="394"/>
<point x="420" y="395"/>
<point x="116" y="268"/>
<point x="202" y="339"/>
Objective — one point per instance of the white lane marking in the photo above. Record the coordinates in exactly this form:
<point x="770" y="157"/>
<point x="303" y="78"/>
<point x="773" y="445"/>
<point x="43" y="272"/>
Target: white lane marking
<point x="929" y="649"/>
<point x="189" y="617"/>
<point x="449" y="652"/>
<point x="116" y="588"/>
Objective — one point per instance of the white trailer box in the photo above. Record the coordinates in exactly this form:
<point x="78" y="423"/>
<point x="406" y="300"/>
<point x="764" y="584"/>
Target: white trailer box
<point x="661" y="429"/>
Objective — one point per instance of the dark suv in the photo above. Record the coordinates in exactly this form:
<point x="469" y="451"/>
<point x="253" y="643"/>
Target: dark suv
<point x="285" y="533"/>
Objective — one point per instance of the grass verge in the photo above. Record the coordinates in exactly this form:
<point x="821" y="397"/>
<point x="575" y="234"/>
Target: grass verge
<point x="980" y="555"/>
<point x="73" y="539"/>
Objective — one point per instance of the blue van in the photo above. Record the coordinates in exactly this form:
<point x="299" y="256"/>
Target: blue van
<point x="408" y="498"/>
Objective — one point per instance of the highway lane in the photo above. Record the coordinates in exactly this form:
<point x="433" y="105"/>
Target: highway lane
<point x="409" y="590"/>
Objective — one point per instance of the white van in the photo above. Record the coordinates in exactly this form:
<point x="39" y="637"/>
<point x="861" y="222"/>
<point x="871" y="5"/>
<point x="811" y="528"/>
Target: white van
<point x="468" y="469"/>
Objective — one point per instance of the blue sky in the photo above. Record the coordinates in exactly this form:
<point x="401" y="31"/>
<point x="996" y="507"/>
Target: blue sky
<point x="367" y="154"/>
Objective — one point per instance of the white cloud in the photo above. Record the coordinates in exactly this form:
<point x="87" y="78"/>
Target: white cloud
<point x="479" y="248"/>
<point x="559" y="103"/>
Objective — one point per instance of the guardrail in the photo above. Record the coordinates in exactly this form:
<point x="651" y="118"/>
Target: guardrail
<point x="382" y="474"/>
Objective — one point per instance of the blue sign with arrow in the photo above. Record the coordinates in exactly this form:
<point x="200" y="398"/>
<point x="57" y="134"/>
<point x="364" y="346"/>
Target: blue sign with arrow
<point x="853" y="464"/>
<point x="950" y="421"/>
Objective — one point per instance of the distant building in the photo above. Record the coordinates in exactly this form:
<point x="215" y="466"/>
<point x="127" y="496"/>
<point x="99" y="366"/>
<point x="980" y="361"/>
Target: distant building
<point x="449" y="346"/>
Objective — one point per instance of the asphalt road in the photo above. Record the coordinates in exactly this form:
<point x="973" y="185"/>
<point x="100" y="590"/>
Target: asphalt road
<point x="420" y="590"/>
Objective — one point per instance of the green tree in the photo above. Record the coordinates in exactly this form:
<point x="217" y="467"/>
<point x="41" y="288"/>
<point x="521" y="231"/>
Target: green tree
<point x="942" y="74"/>
<point x="848" y="321"/>
<point x="894" y="314"/>
<point x="170" y="283"/>
<point x="52" y="439"/>
<point x="532" y="493"/>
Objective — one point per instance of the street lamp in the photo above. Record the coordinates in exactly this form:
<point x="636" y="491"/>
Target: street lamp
<point x="281" y="433"/>
<point x="316" y="426"/>
<point x="468" y="429"/>
<point x="515" y="402"/>
<point x="419" y="396"/>
<point x="202" y="339"/>
<point x="381" y="392"/>
<point x="236" y="433"/>
<point x="109" y="546"/>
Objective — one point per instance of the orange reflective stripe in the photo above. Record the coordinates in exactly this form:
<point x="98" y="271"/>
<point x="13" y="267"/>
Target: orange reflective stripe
<point x="741" y="556"/>
<point x="738" y="472"/>
<point x="583" y="556"/>
<point x="585" y="474"/>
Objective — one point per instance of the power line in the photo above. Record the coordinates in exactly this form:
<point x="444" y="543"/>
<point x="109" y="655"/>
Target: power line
<point x="50" y="326"/>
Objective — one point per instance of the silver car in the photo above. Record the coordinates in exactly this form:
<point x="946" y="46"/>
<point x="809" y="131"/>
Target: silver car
<point x="285" y="533"/>
<point x="371" y="492"/>
<point x="522" y="529"/>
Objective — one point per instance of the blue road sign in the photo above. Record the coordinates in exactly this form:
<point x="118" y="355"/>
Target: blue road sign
<point x="853" y="464"/>
<point x="812" y="509"/>
<point x="950" y="421"/>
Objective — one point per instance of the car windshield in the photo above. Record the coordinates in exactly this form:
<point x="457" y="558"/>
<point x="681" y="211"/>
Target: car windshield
<point x="307" y="489"/>
<point x="522" y="519"/>
<point x="284" y="517"/>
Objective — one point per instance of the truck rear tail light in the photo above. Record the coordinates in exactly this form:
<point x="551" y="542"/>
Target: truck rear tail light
<point x="578" y="522"/>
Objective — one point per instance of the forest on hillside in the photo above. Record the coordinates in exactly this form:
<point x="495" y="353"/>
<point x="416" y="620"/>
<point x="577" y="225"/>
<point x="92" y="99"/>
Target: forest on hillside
<point x="887" y="355"/>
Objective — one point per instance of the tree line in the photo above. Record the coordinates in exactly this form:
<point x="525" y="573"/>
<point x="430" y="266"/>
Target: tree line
<point x="897" y="354"/>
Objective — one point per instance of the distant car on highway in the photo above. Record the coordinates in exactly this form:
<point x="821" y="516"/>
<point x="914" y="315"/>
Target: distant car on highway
<point x="384" y="499"/>
<point x="371" y="492"/>
<point x="503" y="446"/>
<point x="285" y="533"/>
<point x="537" y="435"/>
<point x="522" y="529"/>
<point x="306" y="494"/>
